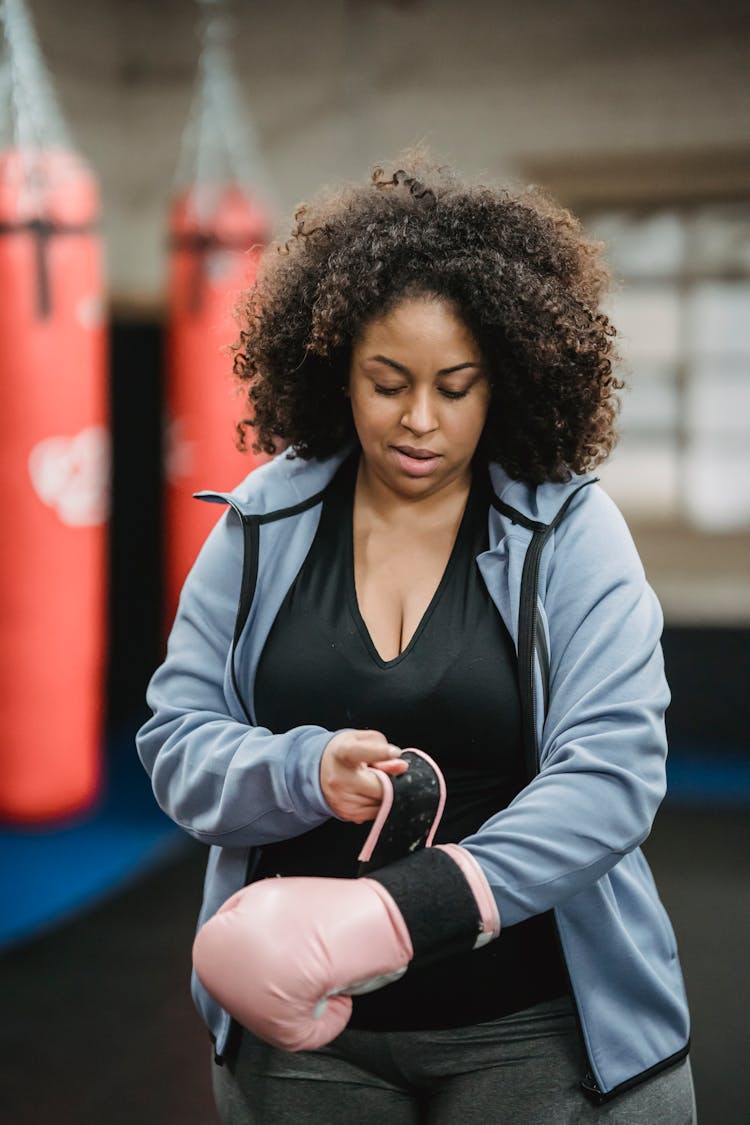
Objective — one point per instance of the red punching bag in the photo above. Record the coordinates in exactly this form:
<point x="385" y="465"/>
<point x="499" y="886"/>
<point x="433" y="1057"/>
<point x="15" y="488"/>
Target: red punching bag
<point x="218" y="227"/>
<point x="211" y="262"/>
<point x="54" y="453"/>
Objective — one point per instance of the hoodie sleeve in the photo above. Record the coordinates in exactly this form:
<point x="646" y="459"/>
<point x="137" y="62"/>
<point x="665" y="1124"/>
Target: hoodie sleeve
<point x="225" y="782"/>
<point x="603" y="753"/>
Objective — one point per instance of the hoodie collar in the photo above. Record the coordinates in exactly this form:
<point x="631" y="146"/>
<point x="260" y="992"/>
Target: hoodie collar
<point x="285" y="482"/>
<point x="537" y="502"/>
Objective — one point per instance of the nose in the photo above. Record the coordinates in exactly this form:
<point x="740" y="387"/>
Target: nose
<point x="419" y="414"/>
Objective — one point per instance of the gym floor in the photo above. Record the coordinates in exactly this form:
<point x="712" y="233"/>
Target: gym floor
<point x="98" y="1026"/>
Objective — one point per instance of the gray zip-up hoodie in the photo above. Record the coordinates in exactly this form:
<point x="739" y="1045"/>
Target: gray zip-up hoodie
<point x="568" y="583"/>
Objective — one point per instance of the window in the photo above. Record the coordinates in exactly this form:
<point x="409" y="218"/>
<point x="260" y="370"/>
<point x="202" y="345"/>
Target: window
<point x="681" y="302"/>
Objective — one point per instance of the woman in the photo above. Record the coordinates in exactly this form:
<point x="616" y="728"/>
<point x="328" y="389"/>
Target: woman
<point x="431" y="566"/>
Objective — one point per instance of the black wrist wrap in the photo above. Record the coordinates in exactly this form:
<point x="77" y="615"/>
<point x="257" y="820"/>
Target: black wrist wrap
<point x="436" y="902"/>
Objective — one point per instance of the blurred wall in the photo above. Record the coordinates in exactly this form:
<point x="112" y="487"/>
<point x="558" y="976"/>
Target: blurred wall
<point x="609" y="105"/>
<point x="582" y="94"/>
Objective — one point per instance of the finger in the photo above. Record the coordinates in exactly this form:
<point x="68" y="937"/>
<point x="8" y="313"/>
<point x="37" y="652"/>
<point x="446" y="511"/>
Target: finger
<point x="367" y="786"/>
<point x="359" y="783"/>
<point x="364" y="804"/>
<point x="394" y="767"/>
<point x="369" y="747"/>
<point x="359" y="811"/>
<point x="367" y="734"/>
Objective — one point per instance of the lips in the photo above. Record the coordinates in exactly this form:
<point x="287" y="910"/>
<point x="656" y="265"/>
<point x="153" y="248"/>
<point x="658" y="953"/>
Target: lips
<point x="416" y="462"/>
<point x="418" y="454"/>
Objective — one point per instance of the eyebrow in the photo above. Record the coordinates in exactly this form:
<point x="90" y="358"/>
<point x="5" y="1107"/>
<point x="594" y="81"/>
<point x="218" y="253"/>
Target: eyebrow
<point x="405" y="370"/>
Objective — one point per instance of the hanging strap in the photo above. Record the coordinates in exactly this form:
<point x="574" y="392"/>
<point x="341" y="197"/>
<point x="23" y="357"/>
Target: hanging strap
<point x="42" y="230"/>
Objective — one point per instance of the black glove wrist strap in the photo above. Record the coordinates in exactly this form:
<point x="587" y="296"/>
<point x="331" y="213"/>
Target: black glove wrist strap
<point x="436" y="902"/>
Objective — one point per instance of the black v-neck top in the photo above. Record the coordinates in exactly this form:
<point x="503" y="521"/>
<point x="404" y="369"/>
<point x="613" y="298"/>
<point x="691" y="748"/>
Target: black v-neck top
<point x="452" y="692"/>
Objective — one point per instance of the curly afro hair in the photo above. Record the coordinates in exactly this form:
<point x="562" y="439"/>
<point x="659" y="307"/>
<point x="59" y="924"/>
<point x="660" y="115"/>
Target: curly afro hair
<point x="517" y="268"/>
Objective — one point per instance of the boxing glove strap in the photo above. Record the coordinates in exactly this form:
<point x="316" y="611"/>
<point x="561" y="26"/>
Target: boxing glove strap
<point x="409" y="815"/>
<point x="437" y="904"/>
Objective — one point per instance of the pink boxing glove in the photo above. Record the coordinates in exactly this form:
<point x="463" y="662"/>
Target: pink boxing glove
<point x="284" y="955"/>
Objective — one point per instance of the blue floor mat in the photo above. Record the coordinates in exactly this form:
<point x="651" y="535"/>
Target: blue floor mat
<point x="52" y="872"/>
<point x="696" y="776"/>
<point x="49" y="874"/>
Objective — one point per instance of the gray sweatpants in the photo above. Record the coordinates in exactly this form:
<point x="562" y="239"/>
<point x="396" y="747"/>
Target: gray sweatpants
<point x="523" y="1069"/>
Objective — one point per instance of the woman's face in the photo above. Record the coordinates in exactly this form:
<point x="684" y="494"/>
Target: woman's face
<point x="420" y="393"/>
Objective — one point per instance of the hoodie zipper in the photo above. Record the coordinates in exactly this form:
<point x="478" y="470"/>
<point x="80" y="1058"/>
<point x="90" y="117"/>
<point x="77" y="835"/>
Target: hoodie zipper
<point x="528" y="617"/>
<point x="531" y="637"/>
<point x="251" y="523"/>
<point x="250" y="557"/>
<point x="529" y="634"/>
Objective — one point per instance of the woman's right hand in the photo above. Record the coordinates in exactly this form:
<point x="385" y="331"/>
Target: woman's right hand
<point x="349" y="785"/>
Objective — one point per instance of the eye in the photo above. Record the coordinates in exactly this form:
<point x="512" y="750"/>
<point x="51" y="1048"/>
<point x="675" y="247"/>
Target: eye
<point x="454" y="394"/>
<point x="386" y="390"/>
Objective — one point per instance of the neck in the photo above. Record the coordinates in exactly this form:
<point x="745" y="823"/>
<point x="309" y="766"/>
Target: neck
<point x="390" y="506"/>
